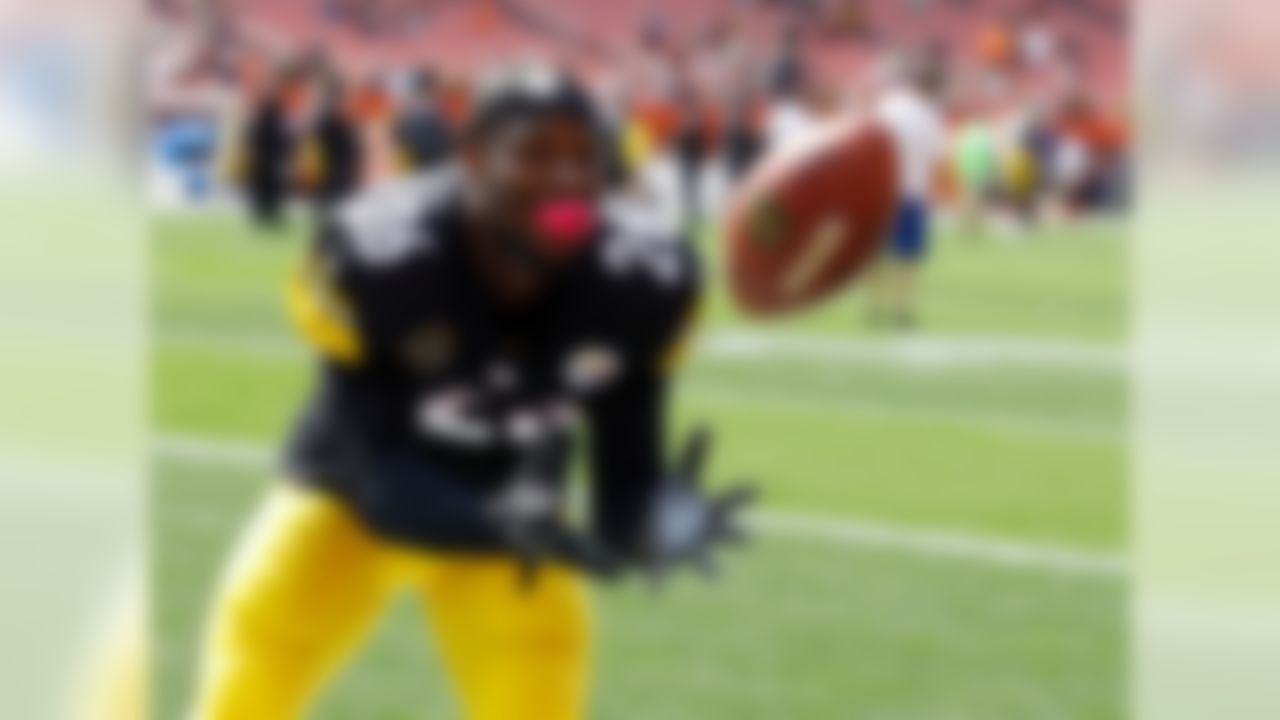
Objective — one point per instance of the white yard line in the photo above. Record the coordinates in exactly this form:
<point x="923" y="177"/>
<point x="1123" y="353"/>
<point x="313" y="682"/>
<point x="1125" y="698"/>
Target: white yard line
<point x="998" y="423"/>
<point x="952" y="545"/>
<point x="916" y="352"/>
<point x="259" y="346"/>
<point x="921" y="353"/>
<point x="944" y="544"/>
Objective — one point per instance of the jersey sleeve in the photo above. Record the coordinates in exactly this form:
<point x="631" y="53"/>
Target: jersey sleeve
<point x="322" y="312"/>
<point x="347" y="296"/>
<point x="655" y="282"/>
<point x="678" y="312"/>
<point x="676" y="345"/>
<point x="629" y="423"/>
<point x="627" y="450"/>
<point x="339" y="303"/>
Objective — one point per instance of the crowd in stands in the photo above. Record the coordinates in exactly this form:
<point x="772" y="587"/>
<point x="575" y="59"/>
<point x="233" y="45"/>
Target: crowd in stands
<point x="242" y="104"/>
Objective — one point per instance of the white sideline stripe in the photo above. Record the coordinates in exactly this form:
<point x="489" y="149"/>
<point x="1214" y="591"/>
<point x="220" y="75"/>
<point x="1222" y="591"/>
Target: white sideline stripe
<point x="920" y="352"/>
<point x="999" y="423"/>
<point x="839" y="531"/>
<point x="924" y="353"/>
<point x="932" y="543"/>
<point x="213" y="451"/>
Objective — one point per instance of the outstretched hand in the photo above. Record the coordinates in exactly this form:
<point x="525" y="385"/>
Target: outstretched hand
<point x="686" y="524"/>
<point x="527" y="515"/>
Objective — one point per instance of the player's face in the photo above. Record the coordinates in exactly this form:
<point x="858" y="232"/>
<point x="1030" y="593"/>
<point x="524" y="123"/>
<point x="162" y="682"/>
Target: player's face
<point x="541" y="180"/>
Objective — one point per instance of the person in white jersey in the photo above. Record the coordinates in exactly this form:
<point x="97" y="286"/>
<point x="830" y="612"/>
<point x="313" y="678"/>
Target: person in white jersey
<point x="911" y="110"/>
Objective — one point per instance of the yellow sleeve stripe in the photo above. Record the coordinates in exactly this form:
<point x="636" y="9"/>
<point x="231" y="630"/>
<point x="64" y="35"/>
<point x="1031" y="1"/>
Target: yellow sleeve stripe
<point x="322" y="315"/>
<point x="681" y="348"/>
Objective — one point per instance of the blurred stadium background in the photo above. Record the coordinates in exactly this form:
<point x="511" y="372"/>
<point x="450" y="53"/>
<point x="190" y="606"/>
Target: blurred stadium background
<point x="943" y="529"/>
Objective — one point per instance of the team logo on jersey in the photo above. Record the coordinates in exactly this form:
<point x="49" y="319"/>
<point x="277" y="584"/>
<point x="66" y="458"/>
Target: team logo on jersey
<point x="428" y="349"/>
<point x="450" y="415"/>
<point x="591" y="367"/>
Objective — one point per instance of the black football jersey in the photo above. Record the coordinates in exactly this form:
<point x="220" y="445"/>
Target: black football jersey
<point x="431" y="392"/>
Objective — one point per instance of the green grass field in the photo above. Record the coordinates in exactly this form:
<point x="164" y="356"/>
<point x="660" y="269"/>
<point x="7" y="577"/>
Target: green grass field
<point x="943" y="514"/>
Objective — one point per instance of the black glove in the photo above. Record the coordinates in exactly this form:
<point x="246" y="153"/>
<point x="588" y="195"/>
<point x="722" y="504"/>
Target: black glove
<point x="527" y="516"/>
<point x="685" y="524"/>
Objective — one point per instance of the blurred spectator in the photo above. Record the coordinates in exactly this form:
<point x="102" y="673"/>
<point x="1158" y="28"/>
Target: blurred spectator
<point x="792" y="118"/>
<point x="186" y="145"/>
<point x="692" y="150"/>
<point x="912" y="111"/>
<point x="1041" y="139"/>
<point x="727" y="77"/>
<point x="975" y="166"/>
<point x="996" y="45"/>
<point x="422" y="134"/>
<point x="788" y="72"/>
<point x="1098" y="182"/>
<point x="652" y="72"/>
<point x="1069" y="171"/>
<point x="335" y="140"/>
<point x="723" y="63"/>
<point x="1037" y="43"/>
<point x="742" y="141"/>
<point x="269" y="152"/>
<point x="1021" y="175"/>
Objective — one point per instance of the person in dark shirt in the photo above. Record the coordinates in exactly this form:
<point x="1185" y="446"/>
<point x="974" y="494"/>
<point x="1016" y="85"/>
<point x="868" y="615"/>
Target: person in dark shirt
<point x="268" y="153"/>
<point x="788" y="72"/>
<point x="469" y="323"/>
<point x="422" y="133"/>
<point x="743" y="144"/>
<point x="338" y="146"/>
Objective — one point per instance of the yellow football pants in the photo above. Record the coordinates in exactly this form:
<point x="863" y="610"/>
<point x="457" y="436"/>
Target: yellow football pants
<point x="308" y="582"/>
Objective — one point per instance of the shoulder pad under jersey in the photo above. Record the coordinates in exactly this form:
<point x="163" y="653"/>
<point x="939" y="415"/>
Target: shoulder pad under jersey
<point x="385" y="225"/>
<point x="643" y="247"/>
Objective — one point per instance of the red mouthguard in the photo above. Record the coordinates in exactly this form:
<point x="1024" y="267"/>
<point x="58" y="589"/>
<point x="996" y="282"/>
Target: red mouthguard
<point x="564" y="226"/>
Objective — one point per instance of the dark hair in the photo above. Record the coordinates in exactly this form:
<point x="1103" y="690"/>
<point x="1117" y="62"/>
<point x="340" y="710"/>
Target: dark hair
<point x="525" y="92"/>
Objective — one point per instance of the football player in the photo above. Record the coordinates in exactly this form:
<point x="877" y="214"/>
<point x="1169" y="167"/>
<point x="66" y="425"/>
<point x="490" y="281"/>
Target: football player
<point x="468" y="321"/>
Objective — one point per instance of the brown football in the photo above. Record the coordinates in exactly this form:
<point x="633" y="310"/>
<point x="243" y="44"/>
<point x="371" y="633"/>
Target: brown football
<point x="809" y="219"/>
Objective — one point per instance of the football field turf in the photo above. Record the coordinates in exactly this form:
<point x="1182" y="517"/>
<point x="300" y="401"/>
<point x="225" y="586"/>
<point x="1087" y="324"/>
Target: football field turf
<point x="942" y="527"/>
